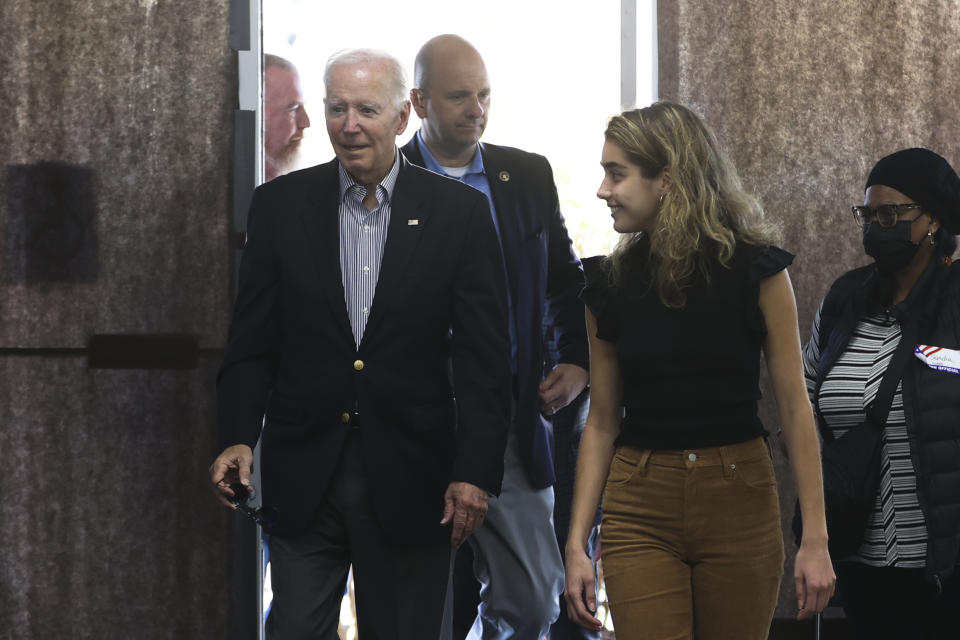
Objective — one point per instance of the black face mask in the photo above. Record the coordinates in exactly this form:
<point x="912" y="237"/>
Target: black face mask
<point x="891" y="247"/>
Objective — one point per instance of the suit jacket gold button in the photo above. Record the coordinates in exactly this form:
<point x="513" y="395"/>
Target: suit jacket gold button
<point x="345" y="418"/>
<point x="358" y="365"/>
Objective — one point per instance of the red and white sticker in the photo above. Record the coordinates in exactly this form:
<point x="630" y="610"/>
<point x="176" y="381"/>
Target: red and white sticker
<point x="938" y="358"/>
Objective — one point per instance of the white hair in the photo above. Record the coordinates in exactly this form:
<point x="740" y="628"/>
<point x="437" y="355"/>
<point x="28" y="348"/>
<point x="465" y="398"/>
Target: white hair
<point x="398" y="77"/>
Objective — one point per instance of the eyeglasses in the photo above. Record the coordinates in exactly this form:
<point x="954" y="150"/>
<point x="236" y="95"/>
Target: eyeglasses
<point x="886" y="214"/>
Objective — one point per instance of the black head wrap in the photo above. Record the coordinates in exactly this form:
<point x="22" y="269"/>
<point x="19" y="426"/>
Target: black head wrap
<point x="926" y="178"/>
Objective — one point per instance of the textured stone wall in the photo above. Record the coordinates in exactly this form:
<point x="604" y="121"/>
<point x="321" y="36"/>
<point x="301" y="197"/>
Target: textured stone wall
<point x="114" y="210"/>
<point x="132" y="99"/>
<point x="806" y="96"/>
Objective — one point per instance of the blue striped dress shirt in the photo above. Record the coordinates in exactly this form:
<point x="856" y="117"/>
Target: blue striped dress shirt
<point x="363" y="234"/>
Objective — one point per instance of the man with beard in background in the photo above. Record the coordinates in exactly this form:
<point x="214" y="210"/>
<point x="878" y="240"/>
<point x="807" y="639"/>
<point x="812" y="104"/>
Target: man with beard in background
<point x="285" y="116"/>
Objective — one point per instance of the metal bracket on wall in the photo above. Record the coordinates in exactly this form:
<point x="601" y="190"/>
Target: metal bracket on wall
<point x="244" y="167"/>
<point x="240" y="25"/>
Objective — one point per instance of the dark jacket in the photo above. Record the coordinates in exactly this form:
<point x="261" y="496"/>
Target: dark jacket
<point x="545" y="279"/>
<point x="931" y="398"/>
<point x="431" y="404"/>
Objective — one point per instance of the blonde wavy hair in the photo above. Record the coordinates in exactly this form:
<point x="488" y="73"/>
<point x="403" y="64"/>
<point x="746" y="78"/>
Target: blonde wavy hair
<point x="704" y="213"/>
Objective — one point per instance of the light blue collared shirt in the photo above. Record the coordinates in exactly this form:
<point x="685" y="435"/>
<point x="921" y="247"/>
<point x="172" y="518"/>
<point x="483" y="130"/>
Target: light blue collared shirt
<point x="475" y="176"/>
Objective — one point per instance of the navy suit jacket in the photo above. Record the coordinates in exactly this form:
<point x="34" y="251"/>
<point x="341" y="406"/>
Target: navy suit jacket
<point x="430" y="379"/>
<point x="545" y="279"/>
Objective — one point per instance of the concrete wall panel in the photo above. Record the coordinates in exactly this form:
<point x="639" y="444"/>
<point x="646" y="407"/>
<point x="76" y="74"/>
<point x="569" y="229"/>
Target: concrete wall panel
<point x="114" y="210"/>
<point x="109" y="526"/>
<point x="138" y="98"/>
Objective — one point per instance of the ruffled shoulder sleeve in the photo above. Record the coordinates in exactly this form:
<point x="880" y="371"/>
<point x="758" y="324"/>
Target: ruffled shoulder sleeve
<point x="598" y="296"/>
<point x="761" y="262"/>
<point x="767" y="261"/>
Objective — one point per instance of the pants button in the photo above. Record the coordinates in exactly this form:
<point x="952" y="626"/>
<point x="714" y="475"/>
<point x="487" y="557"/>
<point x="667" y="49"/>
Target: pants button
<point x="692" y="457"/>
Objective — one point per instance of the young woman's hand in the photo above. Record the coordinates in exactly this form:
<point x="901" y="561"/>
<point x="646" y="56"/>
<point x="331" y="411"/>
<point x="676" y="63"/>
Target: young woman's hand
<point x="581" y="590"/>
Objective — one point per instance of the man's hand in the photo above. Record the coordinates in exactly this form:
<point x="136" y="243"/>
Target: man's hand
<point x="233" y="465"/>
<point x="466" y="505"/>
<point x="561" y="386"/>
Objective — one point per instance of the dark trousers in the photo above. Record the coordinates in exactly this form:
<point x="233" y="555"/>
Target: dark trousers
<point x="887" y="603"/>
<point x="399" y="589"/>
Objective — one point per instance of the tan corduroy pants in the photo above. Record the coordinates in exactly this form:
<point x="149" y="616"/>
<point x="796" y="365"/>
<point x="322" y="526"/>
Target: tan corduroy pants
<point x="691" y="542"/>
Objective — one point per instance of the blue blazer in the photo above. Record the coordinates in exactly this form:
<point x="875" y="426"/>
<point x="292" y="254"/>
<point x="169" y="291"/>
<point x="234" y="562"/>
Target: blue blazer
<point x="545" y="279"/>
<point x="430" y="379"/>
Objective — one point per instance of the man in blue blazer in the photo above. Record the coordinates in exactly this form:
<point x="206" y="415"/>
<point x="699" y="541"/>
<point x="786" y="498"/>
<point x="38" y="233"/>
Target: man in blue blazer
<point x="516" y="557"/>
<point x="369" y="350"/>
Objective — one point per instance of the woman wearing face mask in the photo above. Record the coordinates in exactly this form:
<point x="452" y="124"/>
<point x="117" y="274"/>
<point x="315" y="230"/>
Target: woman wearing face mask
<point x="901" y="582"/>
<point x="677" y="317"/>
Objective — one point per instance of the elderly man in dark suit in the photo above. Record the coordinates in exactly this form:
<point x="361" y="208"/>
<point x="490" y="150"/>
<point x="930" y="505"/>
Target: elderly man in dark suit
<point x="370" y="341"/>
<point x="516" y="557"/>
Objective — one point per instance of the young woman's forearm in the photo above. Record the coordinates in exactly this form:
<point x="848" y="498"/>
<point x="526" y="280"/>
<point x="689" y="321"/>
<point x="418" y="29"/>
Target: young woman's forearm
<point x="599" y="434"/>
<point x="593" y="463"/>
<point x="800" y="437"/>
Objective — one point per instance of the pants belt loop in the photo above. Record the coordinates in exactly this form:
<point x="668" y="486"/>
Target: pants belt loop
<point x="642" y="462"/>
<point x="728" y="461"/>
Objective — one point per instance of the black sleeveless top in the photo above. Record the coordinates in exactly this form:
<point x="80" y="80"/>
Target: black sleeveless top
<point x="689" y="375"/>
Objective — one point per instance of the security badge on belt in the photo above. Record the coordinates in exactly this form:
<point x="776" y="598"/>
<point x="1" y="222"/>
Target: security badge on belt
<point x="938" y="358"/>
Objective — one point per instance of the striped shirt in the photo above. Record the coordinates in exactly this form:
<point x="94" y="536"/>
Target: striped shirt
<point x="363" y="235"/>
<point x="896" y="534"/>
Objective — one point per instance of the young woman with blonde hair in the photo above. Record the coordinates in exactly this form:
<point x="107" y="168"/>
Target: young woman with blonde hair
<point x="678" y="316"/>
